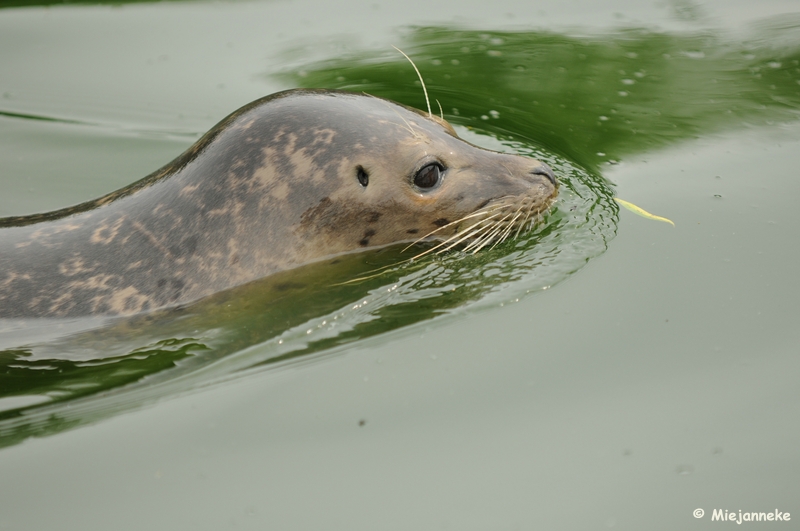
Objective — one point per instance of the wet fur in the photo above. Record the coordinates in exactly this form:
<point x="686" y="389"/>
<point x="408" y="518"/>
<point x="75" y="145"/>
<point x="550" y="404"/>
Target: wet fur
<point x="271" y="187"/>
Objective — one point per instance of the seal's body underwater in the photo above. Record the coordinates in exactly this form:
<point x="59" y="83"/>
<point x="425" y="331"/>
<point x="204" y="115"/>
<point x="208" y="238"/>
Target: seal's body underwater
<point x="286" y="180"/>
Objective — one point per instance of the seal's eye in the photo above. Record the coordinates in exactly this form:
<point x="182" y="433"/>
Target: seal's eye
<point x="362" y="176"/>
<point x="429" y="176"/>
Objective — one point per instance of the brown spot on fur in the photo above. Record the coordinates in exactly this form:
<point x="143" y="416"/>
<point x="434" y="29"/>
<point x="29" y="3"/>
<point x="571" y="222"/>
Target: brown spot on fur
<point x="127" y="300"/>
<point x="441" y="222"/>
<point x="244" y="126"/>
<point x="188" y="189"/>
<point x="372" y="217"/>
<point x="66" y="300"/>
<point x="367" y="235"/>
<point x="412" y="231"/>
<point x="11" y="277"/>
<point x="320" y="211"/>
<point x="73" y="266"/>
<point x="323" y="136"/>
<point x="281" y="190"/>
<point x="49" y="235"/>
<point x="106" y="233"/>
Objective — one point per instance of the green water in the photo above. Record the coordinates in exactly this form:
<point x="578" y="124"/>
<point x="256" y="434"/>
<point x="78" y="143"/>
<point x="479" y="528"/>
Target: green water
<point x="602" y="371"/>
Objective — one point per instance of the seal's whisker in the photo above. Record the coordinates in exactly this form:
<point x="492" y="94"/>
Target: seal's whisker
<point x="480" y="232"/>
<point x="474" y="214"/>
<point x="510" y="227"/>
<point x="524" y="225"/>
<point x="487" y="237"/>
<point x="408" y="125"/>
<point x="500" y="226"/>
<point x="424" y="90"/>
<point x="478" y="242"/>
<point x="508" y="170"/>
<point x="459" y="237"/>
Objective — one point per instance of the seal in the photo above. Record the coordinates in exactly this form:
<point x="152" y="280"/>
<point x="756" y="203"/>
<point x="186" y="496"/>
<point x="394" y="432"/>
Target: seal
<point x="289" y="179"/>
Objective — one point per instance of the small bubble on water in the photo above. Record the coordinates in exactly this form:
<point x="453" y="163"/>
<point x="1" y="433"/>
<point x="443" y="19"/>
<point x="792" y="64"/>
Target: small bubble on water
<point x="774" y="64"/>
<point x="455" y="62"/>
<point x="436" y="62"/>
<point x="494" y="114"/>
<point x="684" y="470"/>
<point x="694" y="54"/>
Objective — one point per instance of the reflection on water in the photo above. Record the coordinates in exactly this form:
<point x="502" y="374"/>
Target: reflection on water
<point x="592" y="99"/>
<point x="575" y="102"/>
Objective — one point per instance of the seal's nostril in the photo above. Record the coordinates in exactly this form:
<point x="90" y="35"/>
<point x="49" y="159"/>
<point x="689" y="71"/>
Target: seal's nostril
<point x="545" y="170"/>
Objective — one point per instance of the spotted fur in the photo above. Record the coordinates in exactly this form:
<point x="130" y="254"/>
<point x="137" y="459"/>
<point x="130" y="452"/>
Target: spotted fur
<point x="273" y="186"/>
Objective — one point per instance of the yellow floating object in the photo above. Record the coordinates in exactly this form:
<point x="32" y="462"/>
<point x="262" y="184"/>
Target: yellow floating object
<point x="642" y="212"/>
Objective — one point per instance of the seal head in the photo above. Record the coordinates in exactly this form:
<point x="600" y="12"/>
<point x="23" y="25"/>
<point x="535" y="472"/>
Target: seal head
<point x="292" y="178"/>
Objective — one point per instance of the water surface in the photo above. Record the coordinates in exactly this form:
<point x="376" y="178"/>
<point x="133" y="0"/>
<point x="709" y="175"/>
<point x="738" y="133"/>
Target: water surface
<point x="602" y="371"/>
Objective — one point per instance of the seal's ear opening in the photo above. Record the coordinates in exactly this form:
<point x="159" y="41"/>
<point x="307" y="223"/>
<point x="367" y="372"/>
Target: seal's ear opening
<point x="362" y="176"/>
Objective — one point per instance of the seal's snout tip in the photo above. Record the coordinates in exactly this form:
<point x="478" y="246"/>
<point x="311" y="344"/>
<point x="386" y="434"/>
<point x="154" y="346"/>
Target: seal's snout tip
<point x="545" y="170"/>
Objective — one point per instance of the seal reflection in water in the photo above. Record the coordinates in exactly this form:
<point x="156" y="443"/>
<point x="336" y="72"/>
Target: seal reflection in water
<point x="286" y="180"/>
